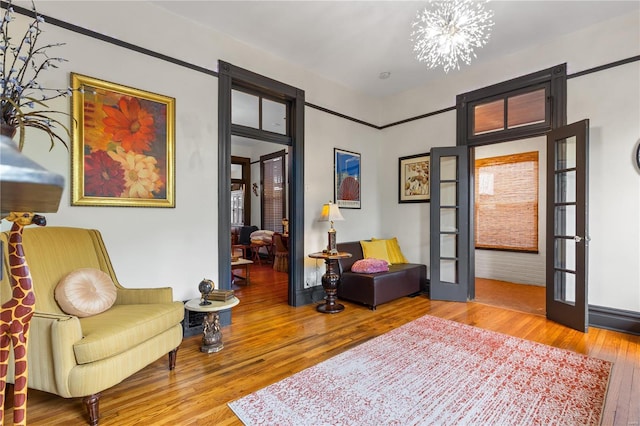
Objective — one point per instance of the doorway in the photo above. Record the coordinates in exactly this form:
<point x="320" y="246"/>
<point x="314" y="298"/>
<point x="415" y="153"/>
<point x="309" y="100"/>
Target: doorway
<point x="510" y="223"/>
<point x="290" y="133"/>
<point x="266" y="198"/>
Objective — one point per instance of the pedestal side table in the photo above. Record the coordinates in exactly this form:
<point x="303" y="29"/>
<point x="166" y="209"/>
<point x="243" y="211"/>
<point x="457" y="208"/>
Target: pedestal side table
<point x="212" y="335"/>
<point x="330" y="280"/>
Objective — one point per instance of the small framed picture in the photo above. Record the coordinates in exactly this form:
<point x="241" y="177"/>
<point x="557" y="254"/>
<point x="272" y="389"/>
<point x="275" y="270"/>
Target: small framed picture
<point x="413" y="179"/>
<point x="346" y="178"/>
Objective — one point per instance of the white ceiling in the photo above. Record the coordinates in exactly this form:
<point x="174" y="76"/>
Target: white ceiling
<point x="352" y="42"/>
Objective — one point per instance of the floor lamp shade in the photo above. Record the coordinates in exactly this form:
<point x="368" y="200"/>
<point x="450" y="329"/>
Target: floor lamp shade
<point x="331" y="213"/>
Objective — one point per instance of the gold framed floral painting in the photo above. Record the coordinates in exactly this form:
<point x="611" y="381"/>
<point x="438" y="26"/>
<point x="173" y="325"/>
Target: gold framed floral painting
<point x="123" y="145"/>
<point x="413" y="176"/>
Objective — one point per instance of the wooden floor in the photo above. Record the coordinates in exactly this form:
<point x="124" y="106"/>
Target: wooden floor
<point x="270" y="340"/>
<point x="519" y="297"/>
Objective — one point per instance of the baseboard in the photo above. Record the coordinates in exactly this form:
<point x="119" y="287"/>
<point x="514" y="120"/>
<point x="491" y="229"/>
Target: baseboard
<point x="309" y="295"/>
<point x="614" y="319"/>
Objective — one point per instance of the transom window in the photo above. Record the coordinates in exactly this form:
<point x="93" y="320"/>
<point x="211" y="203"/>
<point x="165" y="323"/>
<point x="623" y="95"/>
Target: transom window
<point x="510" y="111"/>
<point x="519" y="108"/>
<point x="258" y="112"/>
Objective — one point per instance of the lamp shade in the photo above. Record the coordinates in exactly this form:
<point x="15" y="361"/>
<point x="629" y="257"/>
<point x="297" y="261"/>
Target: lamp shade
<point x="25" y="186"/>
<point x="330" y="213"/>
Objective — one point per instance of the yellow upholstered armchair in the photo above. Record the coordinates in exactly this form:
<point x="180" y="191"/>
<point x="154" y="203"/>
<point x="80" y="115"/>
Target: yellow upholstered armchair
<point x="74" y="356"/>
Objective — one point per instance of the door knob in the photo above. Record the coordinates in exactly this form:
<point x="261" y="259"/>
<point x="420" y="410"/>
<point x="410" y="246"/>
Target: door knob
<point x="577" y="239"/>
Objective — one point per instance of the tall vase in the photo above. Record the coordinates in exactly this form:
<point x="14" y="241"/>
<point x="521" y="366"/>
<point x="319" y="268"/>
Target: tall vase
<point x="8" y="130"/>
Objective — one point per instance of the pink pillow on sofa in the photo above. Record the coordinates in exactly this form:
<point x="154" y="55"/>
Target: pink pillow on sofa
<point x="369" y="266"/>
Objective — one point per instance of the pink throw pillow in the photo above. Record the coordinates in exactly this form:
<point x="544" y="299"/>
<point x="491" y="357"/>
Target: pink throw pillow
<point x="370" y="266"/>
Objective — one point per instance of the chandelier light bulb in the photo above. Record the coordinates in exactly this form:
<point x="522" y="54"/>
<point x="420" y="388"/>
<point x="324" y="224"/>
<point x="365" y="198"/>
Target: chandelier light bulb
<point x="446" y="33"/>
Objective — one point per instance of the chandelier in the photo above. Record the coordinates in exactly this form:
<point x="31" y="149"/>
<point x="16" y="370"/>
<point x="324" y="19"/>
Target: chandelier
<point x="446" y="32"/>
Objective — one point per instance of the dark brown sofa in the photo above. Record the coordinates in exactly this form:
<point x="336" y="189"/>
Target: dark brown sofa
<point x="402" y="279"/>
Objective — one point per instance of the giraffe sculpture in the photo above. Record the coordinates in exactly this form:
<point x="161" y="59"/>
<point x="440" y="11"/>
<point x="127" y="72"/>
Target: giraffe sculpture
<point x="15" y="315"/>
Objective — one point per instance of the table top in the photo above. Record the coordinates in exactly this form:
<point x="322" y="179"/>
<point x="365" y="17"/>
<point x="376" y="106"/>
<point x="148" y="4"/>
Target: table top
<point x="327" y="255"/>
<point x="194" y="305"/>
<point x="242" y="261"/>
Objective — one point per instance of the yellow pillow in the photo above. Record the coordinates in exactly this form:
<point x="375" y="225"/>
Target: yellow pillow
<point x="375" y="250"/>
<point x="393" y="249"/>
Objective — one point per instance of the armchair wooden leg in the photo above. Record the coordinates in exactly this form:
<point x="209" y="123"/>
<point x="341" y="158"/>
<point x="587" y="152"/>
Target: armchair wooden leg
<point x="91" y="402"/>
<point x="172" y="359"/>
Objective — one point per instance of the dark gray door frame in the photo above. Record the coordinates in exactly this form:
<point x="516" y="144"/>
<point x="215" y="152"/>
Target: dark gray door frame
<point x="230" y="76"/>
<point x="556" y="78"/>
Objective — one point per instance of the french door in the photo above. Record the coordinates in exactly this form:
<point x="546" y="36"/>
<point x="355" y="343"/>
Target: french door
<point x="567" y="225"/>
<point x="451" y="247"/>
<point x="449" y="228"/>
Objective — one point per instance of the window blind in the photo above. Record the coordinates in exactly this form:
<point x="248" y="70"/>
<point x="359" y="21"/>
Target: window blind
<point x="506" y="202"/>
<point x="273" y="191"/>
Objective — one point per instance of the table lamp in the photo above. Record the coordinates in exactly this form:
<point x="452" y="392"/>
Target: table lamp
<point x="331" y="213"/>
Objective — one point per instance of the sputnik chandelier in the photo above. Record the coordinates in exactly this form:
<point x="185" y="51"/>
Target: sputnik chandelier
<point x="447" y="32"/>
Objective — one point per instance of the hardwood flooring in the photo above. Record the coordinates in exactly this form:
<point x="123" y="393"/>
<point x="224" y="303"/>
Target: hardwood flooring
<point x="519" y="297"/>
<point x="270" y="340"/>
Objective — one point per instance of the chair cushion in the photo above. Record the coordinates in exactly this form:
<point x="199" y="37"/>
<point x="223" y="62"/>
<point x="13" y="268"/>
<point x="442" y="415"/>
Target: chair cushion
<point x="123" y="327"/>
<point x="85" y="292"/>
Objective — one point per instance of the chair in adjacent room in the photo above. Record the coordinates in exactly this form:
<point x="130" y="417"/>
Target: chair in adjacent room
<point x="244" y="241"/>
<point x="281" y="256"/>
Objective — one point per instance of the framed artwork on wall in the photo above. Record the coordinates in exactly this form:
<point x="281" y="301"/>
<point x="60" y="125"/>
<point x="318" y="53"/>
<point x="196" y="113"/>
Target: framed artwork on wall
<point x="123" y="150"/>
<point x="346" y="179"/>
<point x="413" y="178"/>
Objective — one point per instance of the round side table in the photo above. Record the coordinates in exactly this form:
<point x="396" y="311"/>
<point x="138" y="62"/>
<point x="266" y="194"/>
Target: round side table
<point x="330" y="281"/>
<point x="212" y="335"/>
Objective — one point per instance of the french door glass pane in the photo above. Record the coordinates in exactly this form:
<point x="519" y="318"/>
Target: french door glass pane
<point x="565" y="254"/>
<point x="566" y="187"/>
<point x="448" y="245"/>
<point x="566" y="153"/>
<point x="448" y="194"/>
<point x="565" y="288"/>
<point x="449" y="220"/>
<point x="448" y="168"/>
<point x="565" y="221"/>
<point x="448" y="271"/>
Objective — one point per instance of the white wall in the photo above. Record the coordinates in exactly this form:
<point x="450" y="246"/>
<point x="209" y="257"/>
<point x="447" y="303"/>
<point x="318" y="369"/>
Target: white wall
<point x="611" y="99"/>
<point x="151" y="246"/>
<point x="324" y="133"/>
<point x="176" y="247"/>
<point x="521" y="268"/>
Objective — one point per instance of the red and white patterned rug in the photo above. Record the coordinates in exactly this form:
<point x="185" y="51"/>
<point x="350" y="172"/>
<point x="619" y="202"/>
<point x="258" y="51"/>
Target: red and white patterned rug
<point x="433" y="371"/>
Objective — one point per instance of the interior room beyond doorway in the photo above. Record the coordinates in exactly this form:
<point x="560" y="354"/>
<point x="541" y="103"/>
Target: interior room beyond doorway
<point x="509" y="278"/>
<point x="261" y="260"/>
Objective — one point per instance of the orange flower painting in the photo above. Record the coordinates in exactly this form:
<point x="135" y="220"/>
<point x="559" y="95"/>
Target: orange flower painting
<point x="123" y="151"/>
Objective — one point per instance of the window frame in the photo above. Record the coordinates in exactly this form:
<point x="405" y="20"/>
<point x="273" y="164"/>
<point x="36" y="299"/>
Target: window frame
<point x="259" y="132"/>
<point x="554" y="78"/>
<point x="506" y="132"/>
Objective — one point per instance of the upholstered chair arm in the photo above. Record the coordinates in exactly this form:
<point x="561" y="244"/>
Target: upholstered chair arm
<point x="136" y="296"/>
<point x="51" y="357"/>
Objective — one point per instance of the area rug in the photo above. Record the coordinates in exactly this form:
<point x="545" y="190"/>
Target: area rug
<point x="433" y="371"/>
